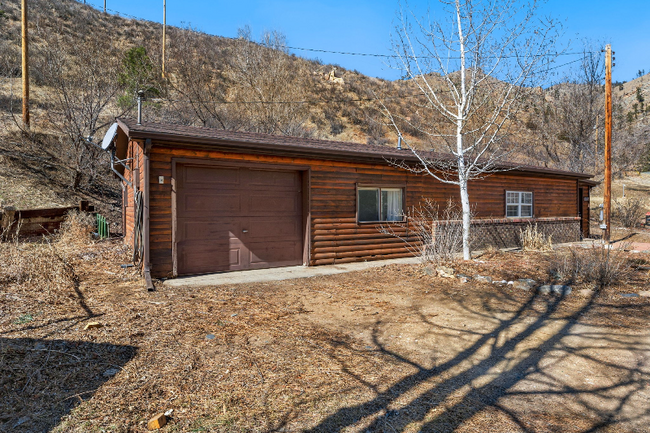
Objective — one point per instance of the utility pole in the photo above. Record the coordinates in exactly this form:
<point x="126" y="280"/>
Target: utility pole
<point x="25" y="65"/>
<point x="104" y="6"/>
<point x="607" y="194"/>
<point x="596" y="154"/>
<point x="164" y="40"/>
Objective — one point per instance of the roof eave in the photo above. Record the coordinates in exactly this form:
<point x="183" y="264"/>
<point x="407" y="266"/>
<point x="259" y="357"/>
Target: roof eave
<point x="170" y="139"/>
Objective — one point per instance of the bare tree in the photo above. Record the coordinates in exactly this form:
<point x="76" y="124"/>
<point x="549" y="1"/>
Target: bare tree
<point x="474" y="72"/>
<point x="568" y="120"/>
<point x="268" y="82"/>
<point x="83" y="78"/>
<point x="198" y="67"/>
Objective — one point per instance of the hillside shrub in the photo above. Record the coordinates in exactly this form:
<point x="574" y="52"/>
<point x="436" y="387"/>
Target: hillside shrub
<point x="628" y="211"/>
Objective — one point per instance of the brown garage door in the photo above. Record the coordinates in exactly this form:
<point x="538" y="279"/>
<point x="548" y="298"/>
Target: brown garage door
<point x="231" y="219"/>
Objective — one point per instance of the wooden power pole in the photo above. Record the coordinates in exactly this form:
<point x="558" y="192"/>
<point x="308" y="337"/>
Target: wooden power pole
<point x="25" y="65"/>
<point x="607" y="193"/>
<point x="104" y="6"/>
<point x="164" y="40"/>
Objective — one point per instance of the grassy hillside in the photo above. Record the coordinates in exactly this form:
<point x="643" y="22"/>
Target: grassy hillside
<point x="87" y="65"/>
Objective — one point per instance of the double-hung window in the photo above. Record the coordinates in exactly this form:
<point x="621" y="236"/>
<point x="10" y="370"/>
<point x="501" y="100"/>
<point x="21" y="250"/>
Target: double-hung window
<point x="519" y="204"/>
<point x="380" y="204"/>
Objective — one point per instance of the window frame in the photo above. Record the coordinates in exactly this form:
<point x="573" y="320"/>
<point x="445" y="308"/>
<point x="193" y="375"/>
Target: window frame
<point x="520" y="203"/>
<point x="379" y="204"/>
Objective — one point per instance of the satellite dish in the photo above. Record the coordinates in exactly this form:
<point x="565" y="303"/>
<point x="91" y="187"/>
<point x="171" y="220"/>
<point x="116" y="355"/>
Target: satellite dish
<point x="109" y="136"/>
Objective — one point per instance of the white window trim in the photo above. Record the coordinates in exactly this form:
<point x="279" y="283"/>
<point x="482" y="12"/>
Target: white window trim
<point x="380" y="187"/>
<point x="520" y="203"/>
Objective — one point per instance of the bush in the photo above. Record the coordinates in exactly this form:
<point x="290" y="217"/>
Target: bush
<point x="433" y="235"/>
<point x="598" y="264"/>
<point x="76" y="230"/>
<point x="45" y="265"/>
<point x="533" y="240"/>
<point x="628" y="211"/>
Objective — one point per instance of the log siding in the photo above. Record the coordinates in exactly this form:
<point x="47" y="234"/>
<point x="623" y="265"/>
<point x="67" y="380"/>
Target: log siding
<point x="334" y="235"/>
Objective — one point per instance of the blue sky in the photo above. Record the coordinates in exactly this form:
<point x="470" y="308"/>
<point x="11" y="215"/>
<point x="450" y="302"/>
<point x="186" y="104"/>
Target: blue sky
<point x="365" y="26"/>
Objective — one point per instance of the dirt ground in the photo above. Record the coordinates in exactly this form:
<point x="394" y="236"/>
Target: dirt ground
<point x="391" y="349"/>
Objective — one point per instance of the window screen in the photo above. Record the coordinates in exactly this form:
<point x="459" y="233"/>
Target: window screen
<point x="380" y="204"/>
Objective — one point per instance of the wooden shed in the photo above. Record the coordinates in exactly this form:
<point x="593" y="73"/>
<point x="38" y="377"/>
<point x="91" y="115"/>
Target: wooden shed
<point x="217" y="200"/>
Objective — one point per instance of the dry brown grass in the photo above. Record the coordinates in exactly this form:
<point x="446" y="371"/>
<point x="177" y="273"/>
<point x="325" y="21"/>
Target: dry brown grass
<point x="534" y="240"/>
<point x="285" y="355"/>
<point x="598" y="265"/>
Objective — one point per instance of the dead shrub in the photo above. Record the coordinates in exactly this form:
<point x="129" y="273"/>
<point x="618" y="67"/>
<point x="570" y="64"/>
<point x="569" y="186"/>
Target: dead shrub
<point x="33" y="265"/>
<point x="45" y="266"/>
<point x="533" y="239"/>
<point x="434" y="235"/>
<point x="599" y="264"/>
<point x="628" y="211"/>
<point x="76" y="230"/>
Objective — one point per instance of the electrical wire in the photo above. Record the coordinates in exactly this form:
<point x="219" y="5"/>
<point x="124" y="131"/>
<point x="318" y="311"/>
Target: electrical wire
<point x="348" y="53"/>
<point x="312" y="102"/>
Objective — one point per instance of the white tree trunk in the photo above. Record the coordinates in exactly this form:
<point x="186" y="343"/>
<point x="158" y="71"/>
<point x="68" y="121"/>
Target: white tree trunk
<point x="464" y="200"/>
<point x="460" y="148"/>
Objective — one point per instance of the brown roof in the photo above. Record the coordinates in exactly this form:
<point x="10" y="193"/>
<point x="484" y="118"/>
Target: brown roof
<point x="293" y="146"/>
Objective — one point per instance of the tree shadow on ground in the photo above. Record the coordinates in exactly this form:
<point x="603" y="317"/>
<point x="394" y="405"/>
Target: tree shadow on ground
<point x="43" y="380"/>
<point x="529" y="367"/>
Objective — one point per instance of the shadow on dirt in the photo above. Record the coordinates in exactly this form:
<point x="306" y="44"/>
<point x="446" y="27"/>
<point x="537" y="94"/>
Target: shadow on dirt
<point x="43" y="380"/>
<point x="513" y="369"/>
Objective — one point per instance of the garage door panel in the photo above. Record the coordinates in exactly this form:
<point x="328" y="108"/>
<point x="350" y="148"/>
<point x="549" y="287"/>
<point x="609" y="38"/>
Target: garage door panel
<point x="278" y="180"/>
<point x="196" y="260"/>
<point x="208" y="177"/>
<point x="275" y="253"/>
<point x="210" y="256"/>
<point x="196" y="204"/>
<point x="213" y="231"/>
<point x="237" y="218"/>
<point x="273" y="204"/>
<point x="267" y="229"/>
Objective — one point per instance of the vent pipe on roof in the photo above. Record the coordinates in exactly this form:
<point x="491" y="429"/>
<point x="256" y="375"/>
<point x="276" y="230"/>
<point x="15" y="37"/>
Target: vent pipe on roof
<point x="399" y="142"/>
<point x="140" y="98"/>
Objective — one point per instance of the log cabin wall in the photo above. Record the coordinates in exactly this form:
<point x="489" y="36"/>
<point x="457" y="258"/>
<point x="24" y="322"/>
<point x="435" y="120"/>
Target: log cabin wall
<point x="584" y="214"/>
<point x="334" y="234"/>
<point x="135" y="175"/>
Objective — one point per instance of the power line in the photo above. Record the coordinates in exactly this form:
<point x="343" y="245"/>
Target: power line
<point x="351" y="53"/>
<point x="348" y="53"/>
<point x="565" y="64"/>
<point x="314" y="101"/>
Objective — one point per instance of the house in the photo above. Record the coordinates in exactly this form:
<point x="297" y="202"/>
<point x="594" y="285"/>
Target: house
<point x="217" y="200"/>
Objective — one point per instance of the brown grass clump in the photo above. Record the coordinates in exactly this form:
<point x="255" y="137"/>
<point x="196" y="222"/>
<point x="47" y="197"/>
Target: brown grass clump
<point x="76" y="230"/>
<point x="32" y="264"/>
<point x="600" y="265"/>
<point x="45" y="265"/>
<point x="534" y="240"/>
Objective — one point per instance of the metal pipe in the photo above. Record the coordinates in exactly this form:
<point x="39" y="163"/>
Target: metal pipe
<point x="140" y="98"/>
<point x="145" y="228"/>
<point x="114" y="170"/>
